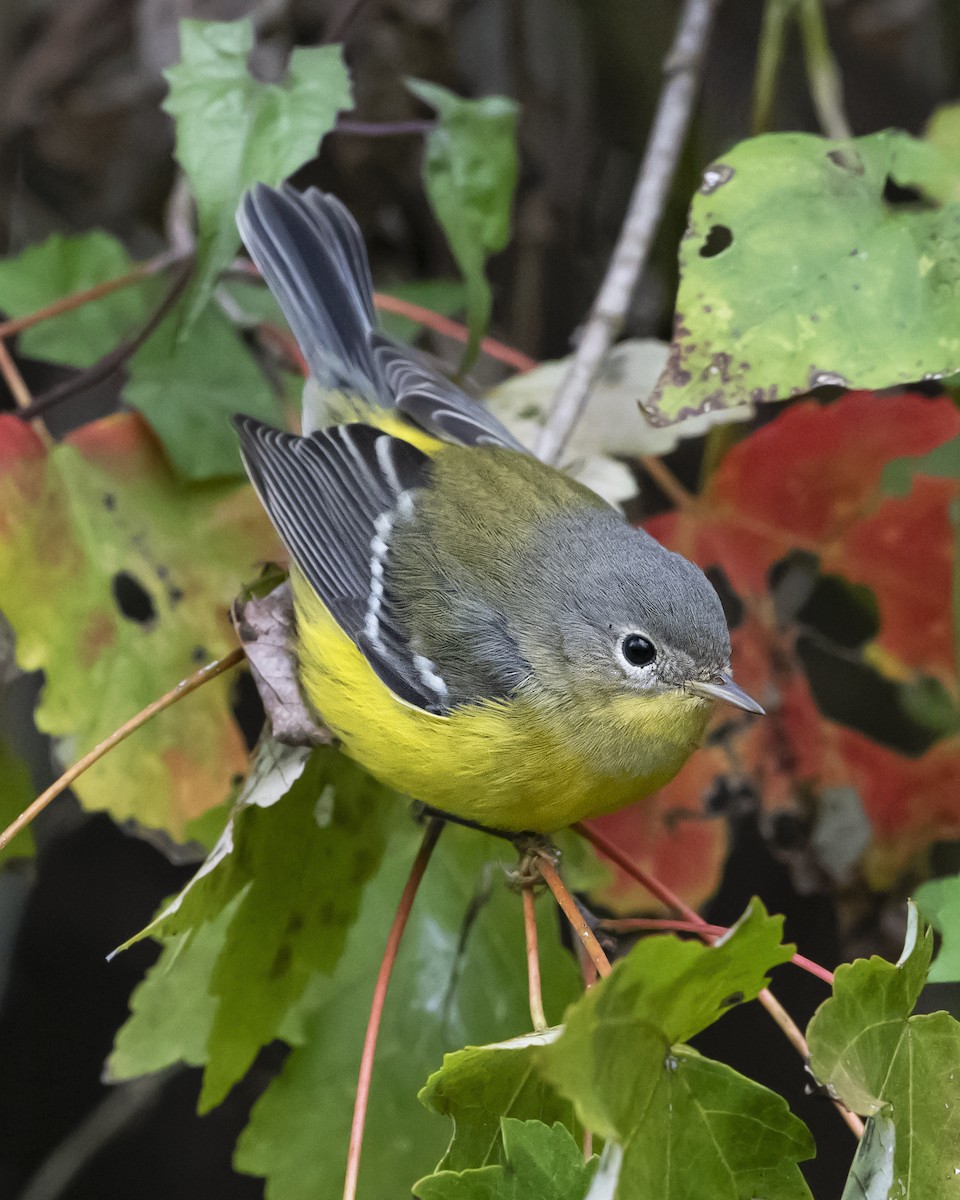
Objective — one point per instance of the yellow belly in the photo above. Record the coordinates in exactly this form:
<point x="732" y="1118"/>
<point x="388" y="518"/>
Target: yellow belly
<point x="501" y="765"/>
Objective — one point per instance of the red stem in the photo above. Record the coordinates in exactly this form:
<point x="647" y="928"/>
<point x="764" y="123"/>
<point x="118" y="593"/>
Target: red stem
<point x="694" y="923"/>
<point x="433" y="832"/>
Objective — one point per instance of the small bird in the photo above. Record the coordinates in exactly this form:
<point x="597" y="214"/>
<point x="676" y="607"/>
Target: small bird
<point x="478" y="630"/>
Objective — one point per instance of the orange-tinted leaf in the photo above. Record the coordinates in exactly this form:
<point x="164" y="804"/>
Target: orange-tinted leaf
<point x="116" y="580"/>
<point x="670" y="838"/>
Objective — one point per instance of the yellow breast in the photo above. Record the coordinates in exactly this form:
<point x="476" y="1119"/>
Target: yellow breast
<point x="500" y="764"/>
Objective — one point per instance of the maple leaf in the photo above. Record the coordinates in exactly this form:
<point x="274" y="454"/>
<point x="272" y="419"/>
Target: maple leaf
<point x="116" y="579"/>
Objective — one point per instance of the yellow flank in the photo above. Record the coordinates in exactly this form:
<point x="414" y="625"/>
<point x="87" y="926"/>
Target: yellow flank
<point x="505" y="766"/>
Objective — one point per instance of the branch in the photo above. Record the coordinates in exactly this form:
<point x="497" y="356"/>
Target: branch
<point x="682" y="70"/>
<point x="104" y="367"/>
<point x="144" y="270"/>
<point x="434" y="829"/>
<point x="183" y="688"/>
<point x="581" y="929"/>
<point x="444" y="325"/>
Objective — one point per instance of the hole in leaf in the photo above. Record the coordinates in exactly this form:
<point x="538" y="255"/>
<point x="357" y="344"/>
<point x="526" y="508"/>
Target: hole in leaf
<point x="132" y="599"/>
<point x="898" y="195"/>
<point x="718" y="239"/>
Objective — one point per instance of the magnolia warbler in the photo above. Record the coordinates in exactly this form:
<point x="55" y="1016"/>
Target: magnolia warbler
<point x="480" y="631"/>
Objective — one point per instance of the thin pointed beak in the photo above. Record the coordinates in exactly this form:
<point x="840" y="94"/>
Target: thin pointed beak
<point x="723" y="688"/>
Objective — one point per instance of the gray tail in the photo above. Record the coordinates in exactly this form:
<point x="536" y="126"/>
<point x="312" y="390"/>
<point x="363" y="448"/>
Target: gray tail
<point x="309" y="250"/>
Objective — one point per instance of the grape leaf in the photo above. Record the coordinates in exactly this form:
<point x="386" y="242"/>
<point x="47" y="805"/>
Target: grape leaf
<point x="58" y="267"/>
<point x="541" y="1162"/>
<point x="291" y="912"/>
<point x="939" y="903"/>
<point x="479" y="1085"/>
<point x="458" y="980"/>
<point x="882" y="1062"/>
<point x="189" y="384"/>
<point x="810" y="262"/>
<point x="686" y="1125"/>
<point x="16" y="792"/>
<point x="233" y="131"/>
<point x="470" y="172"/>
<point x="107" y="597"/>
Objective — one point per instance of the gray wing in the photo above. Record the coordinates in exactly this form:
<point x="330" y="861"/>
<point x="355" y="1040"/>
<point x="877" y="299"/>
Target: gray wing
<point x="311" y="253"/>
<point x="334" y="498"/>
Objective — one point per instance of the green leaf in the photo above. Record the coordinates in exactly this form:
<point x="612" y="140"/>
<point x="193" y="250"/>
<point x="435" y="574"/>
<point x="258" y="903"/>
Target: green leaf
<point x="59" y="267"/>
<point x="881" y="1062"/>
<point x="292" y="866"/>
<point x="942" y="462"/>
<point x="233" y="131"/>
<point x="117" y="580"/>
<point x="541" y="1162"/>
<point x="188" y="387"/>
<point x="802" y="267"/>
<point x="172" y="1011"/>
<point x="687" y="1126"/>
<point x="477" y="1086"/>
<point x="470" y="172"/>
<point x="939" y="902"/>
<point x="459" y="979"/>
<point x="16" y="792"/>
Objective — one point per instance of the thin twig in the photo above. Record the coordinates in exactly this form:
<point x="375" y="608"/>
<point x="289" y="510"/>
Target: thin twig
<point x="573" y="914"/>
<point x="144" y="270"/>
<point x="666" y="896"/>
<point x="537" y="1015"/>
<point x="444" y="325"/>
<point x="702" y="930"/>
<point x="104" y="367"/>
<point x="823" y="74"/>
<point x="183" y="688"/>
<point x="796" y="1038"/>
<point x="682" y="70"/>
<point x="667" y="482"/>
<point x="14" y="380"/>
<point x="384" y="128"/>
<point x="769" y="57"/>
<point x="434" y="829"/>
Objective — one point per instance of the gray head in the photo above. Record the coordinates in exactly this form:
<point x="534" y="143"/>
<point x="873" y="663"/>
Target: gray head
<point x="644" y="619"/>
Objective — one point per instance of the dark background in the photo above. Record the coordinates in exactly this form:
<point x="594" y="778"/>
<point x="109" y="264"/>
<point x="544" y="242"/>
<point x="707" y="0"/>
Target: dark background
<point x="83" y="143"/>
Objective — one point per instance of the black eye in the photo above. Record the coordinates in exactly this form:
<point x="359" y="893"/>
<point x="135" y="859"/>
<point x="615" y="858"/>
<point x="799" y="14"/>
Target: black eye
<point x="638" y="650"/>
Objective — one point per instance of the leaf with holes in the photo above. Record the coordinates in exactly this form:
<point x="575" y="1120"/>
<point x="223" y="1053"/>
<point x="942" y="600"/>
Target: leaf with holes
<point x="456" y="983"/>
<point x="233" y="131"/>
<point x="60" y="266"/>
<point x="811" y="481"/>
<point x="901" y="1070"/>
<point x="686" y="1125"/>
<point x="470" y="172"/>
<point x="108" y="598"/>
<point x="540" y="1162"/>
<point x="809" y="262"/>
